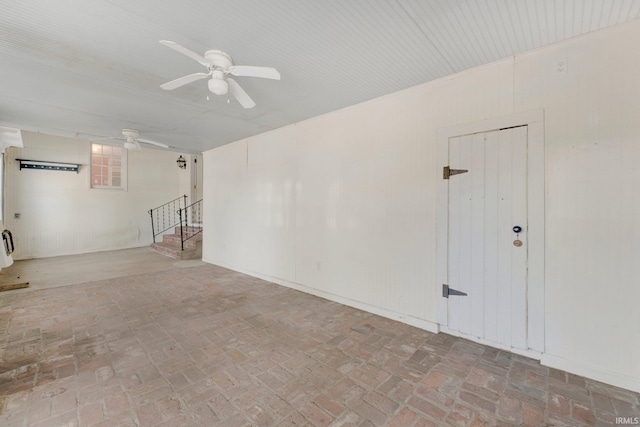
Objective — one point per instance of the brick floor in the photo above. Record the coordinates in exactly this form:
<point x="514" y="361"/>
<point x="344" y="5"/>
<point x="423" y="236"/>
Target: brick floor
<point x="207" y="346"/>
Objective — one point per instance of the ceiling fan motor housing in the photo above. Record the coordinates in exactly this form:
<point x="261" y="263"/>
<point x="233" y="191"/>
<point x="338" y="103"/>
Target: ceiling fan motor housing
<point x="131" y="142"/>
<point x="218" y="59"/>
<point x="130" y="133"/>
<point x="220" y="63"/>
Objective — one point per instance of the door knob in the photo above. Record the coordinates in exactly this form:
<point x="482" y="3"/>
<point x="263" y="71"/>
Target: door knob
<point x="517" y="229"/>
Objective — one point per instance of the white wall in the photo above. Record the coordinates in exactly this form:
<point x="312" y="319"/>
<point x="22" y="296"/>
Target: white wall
<point x="344" y="205"/>
<point x="61" y="215"/>
<point x="593" y="201"/>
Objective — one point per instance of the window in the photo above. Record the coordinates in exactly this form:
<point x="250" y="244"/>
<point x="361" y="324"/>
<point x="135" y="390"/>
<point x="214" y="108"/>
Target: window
<point x="107" y="166"/>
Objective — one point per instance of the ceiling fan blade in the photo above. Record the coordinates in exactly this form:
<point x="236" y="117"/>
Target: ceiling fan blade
<point x="158" y="144"/>
<point x="102" y="138"/>
<point x="251" y="71"/>
<point x="183" y="50"/>
<point x="243" y="98"/>
<point x="174" y="84"/>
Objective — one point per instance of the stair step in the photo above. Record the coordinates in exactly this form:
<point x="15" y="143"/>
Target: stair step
<point x="174" y="239"/>
<point x="175" y="252"/>
<point x="188" y="230"/>
<point x="167" y="249"/>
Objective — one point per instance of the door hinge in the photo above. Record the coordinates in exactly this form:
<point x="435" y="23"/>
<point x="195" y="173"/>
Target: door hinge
<point x="446" y="291"/>
<point x="447" y="172"/>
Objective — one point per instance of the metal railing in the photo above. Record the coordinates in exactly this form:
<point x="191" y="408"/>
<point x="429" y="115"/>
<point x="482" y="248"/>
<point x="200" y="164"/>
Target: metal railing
<point x="166" y="216"/>
<point x="190" y="221"/>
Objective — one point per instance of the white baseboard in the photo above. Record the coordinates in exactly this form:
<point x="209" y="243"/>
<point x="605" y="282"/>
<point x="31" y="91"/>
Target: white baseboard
<point x="589" y="371"/>
<point x="389" y="314"/>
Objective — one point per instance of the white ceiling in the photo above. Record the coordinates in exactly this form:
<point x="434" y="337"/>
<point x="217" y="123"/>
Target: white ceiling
<point x="93" y="67"/>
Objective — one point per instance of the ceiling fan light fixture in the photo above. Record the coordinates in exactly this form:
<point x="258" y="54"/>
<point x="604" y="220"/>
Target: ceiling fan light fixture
<point x="218" y="87"/>
<point x="131" y="146"/>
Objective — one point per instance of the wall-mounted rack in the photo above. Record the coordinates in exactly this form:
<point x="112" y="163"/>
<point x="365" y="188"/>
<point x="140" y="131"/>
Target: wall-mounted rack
<point x="51" y="166"/>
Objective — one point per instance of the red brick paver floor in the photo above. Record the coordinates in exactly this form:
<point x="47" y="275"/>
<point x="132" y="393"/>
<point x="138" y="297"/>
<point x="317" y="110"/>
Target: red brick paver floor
<point x="206" y="346"/>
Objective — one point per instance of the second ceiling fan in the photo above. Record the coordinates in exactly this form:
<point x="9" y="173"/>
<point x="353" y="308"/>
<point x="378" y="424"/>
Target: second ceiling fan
<point x="132" y="140"/>
<point x="220" y="65"/>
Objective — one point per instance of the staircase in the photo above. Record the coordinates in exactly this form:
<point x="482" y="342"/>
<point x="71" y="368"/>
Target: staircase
<point x="171" y="244"/>
<point x="186" y="241"/>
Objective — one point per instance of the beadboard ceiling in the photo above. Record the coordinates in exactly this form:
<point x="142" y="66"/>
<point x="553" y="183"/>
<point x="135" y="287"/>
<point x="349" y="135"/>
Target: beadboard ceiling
<point x="93" y="67"/>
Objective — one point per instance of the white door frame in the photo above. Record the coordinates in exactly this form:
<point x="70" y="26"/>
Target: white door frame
<point x="535" y="209"/>
<point x="196" y="178"/>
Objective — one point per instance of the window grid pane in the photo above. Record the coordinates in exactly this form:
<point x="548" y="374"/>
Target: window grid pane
<point x="106" y="166"/>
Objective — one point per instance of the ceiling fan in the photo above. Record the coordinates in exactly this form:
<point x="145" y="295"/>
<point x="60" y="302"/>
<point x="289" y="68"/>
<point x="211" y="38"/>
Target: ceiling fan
<point x="220" y="65"/>
<point x="132" y="141"/>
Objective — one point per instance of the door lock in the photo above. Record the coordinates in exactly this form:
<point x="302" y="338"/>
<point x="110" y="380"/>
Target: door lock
<point x="517" y="229"/>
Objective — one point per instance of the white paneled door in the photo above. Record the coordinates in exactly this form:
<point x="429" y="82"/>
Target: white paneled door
<point x="487" y="238"/>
